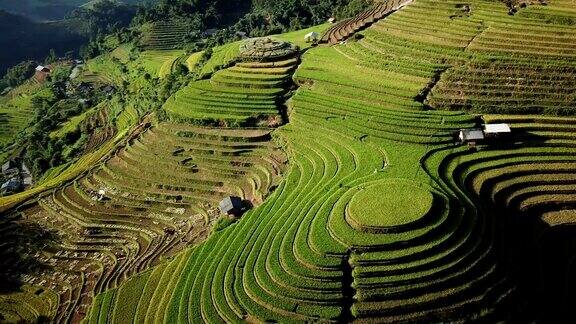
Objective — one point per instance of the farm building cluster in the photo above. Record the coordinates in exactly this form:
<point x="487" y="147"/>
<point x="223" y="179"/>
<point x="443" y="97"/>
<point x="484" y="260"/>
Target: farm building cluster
<point x="17" y="177"/>
<point x="314" y="37"/>
<point x="471" y="136"/>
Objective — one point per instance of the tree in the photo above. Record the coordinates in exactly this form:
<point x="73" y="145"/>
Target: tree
<point x="19" y="73"/>
<point x="353" y="8"/>
<point x="181" y="69"/>
<point x="51" y="58"/>
<point x="87" y="51"/>
<point x="3" y="85"/>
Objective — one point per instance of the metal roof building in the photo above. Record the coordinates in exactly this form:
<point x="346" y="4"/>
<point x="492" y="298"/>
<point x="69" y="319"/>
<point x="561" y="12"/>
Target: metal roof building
<point x="496" y="129"/>
<point x="470" y="135"/>
<point x="10" y="167"/>
<point x="231" y="205"/>
<point x="11" y="186"/>
<point x="312" y="37"/>
<point x="41" y="68"/>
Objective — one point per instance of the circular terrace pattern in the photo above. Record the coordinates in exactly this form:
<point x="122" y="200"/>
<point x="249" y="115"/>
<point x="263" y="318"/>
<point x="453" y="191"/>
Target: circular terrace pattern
<point x="266" y="48"/>
<point x="388" y="204"/>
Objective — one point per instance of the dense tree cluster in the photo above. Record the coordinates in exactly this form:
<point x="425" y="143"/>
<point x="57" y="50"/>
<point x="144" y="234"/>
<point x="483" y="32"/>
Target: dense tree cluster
<point x="88" y="27"/>
<point x="106" y="24"/>
<point x="213" y="13"/>
<point x="51" y="106"/>
<point x="33" y="40"/>
<point x="286" y="15"/>
<point x="255" y="18"/>
<point x="102" y="17"/>
<point x="17" y="74"/>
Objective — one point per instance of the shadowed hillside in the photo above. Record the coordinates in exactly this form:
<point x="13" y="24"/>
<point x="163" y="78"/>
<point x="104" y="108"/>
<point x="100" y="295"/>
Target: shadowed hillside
<point x="50" y="10"/>
<point x="30" y="40"/>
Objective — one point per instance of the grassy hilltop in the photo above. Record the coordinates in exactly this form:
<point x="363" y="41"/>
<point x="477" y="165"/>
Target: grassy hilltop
<point x="364" y="208"/>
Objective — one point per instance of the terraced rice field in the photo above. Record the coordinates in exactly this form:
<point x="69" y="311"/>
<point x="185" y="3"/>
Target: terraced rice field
<point x="357" y="122"/>
<point x="161" y="195"/>
<point x="348" y="27"/>
<point x="530" y="176"/>
<point x="13" y="119"/>
<point x="372" y="121"/>
<point x="160" y="63"/>
<point x="113" y="68"/>
<point x="248" y="94"/>
<point x="122" y="53"/>
<point x="222" y="56"/>
<point x="193" y="60"/>
<point x="145" y="216"/>
<point x="16" y="111"/>
<point x="164" y="35"/>
<point x="103" y="70"/>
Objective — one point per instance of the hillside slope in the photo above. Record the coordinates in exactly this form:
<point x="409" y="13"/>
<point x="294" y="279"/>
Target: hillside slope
<point x="31" y="40"/>
<point x="50" y="10"/>
<point x="366" y="207"/>
<point x="359" y="123"/>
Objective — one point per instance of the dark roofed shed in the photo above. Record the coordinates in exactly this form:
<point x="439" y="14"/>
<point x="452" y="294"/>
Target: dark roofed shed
<point x="9" y="166"/>
<point x="11" y="186"/>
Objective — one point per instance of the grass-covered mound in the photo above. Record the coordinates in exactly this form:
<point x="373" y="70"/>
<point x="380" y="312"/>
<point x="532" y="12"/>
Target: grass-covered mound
<point x="389" y="204"/>
<point x="266" y="49"/>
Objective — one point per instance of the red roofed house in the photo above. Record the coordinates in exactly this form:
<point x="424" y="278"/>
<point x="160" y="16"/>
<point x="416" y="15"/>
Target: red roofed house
<point x="42" y="72"/>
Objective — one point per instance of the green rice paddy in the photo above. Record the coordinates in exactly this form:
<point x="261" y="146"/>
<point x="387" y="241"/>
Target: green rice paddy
<point x="389" y="204"/>
<point x="365" y="207"/>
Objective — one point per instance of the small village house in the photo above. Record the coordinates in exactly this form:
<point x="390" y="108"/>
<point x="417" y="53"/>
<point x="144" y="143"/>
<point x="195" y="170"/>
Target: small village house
<point x="242" y="34"/>
<point x="488" y="131"/>
<point x="312" y="37"/>
<point x="495" y="130"/>
<point x="20" y="177"/>
<point x="84" y="102"/>
<point x="10" y="167"/>
<point x="5" y="91"/>
<point x="209" y="32"/>
<point x="84" y="88"/>
<point x="42" y="73"/>
<point x="472" y="135"/>
<point x="26" y="176"/>
<point x="231" y="206"/>
<point x="108" y="90"/>
<point x="11" y="186"/>
<point x="42" y="68"/>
